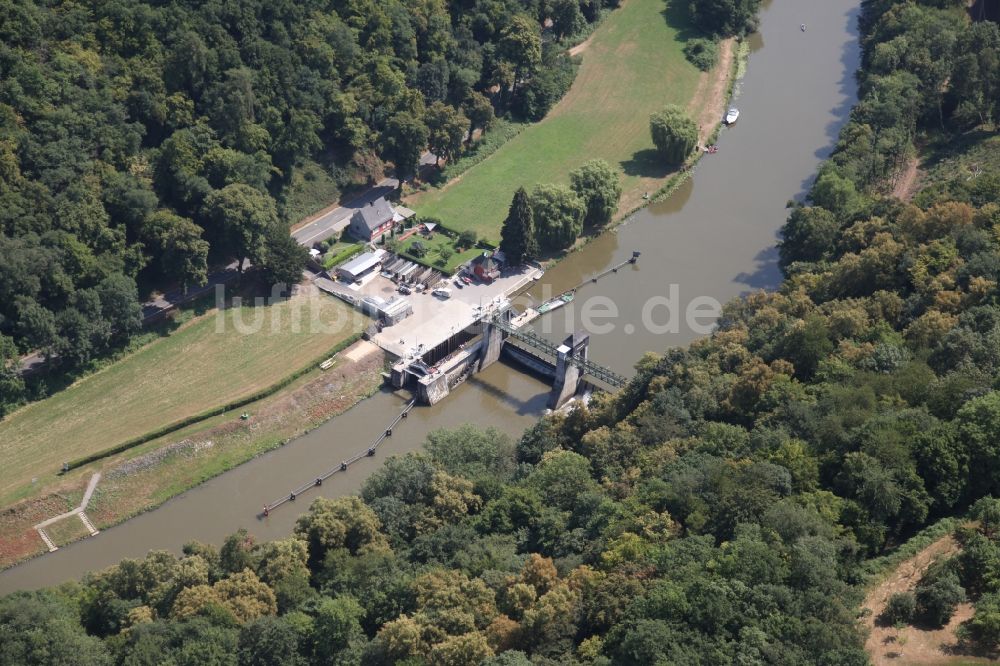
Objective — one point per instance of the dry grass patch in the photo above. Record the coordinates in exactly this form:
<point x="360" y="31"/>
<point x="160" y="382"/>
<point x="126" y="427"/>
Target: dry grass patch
<point x="887" y="645"/>
<point x="67" y="530"/>
<point x="211" y="360"/>
<point x="147" y="476"/>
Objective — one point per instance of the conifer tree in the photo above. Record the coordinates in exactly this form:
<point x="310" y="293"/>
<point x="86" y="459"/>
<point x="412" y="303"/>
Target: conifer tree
<point x="517" y="237"/>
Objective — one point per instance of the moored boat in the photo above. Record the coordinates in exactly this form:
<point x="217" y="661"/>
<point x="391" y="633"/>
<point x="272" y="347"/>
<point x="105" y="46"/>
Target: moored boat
<point x="732" y="116"/>
<point x="555" y="303"/>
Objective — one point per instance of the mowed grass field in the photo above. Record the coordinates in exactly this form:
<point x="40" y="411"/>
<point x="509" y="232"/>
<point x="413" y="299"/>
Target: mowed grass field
<point x="209" y="361"/>
<point x="632" y="66"/>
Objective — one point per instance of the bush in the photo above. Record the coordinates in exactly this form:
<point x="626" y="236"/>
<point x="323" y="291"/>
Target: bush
<point x="901" y="607"/>
<point x="937" y="595"/>
<point x="467" y="239"/>
<point x="984" y="627"/>
<point x="724" y="17"/>
<point x="702" y="53"/>
<point x="342" y="256"/>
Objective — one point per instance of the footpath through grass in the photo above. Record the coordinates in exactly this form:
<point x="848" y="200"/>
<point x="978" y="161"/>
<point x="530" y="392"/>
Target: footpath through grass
<point x="209" y="361"/>
<point x="632" y="66"/>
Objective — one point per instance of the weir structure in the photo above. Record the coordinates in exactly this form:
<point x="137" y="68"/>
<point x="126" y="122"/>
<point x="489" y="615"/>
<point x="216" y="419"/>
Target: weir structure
<point x="496" y="330"/>
<point x="567" y="365"/>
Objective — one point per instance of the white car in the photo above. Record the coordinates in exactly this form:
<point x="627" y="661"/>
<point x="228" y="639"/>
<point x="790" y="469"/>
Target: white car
<point x="442" y="292"/>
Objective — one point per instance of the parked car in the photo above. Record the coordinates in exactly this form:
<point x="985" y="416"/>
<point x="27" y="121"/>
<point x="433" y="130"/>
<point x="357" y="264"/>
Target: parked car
<point x="466" y="279"/>
<point x="442" y="292"/>
<point x="404" y="289"/>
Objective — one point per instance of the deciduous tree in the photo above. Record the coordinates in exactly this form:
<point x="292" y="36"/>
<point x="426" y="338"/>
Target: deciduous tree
<point x="599" y="185"/>
<point x="558" y="213"/>
<point x="479" y="110"/>
<point x="446" y="130"/>
<point x="674" y="134"/>
<point x="405" y="139"/>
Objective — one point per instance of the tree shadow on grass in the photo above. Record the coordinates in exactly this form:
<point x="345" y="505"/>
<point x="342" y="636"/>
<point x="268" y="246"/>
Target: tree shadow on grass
<point x="675" y="14"/>
<point x="646" y="163"/>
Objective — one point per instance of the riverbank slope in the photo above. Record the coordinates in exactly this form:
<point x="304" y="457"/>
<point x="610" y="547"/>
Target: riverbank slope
<point x="206" y="361"/>
<point x="633" y="65"/>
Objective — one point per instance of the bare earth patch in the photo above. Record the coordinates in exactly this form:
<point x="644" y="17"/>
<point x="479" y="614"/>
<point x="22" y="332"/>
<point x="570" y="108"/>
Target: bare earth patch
<point x="709" y="102"/>
<point x="906" y="184"/>
<point x="582" y="46"/>
<point x="914" y="645"/>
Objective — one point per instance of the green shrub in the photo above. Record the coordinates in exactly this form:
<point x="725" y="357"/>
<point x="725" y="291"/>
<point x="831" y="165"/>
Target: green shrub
<point x="938" y="593"/>
<point x="467" y="239"/>
<point x="901" y="607"/>
<point x="343" y="256"/>
<point x="702" y="53"/>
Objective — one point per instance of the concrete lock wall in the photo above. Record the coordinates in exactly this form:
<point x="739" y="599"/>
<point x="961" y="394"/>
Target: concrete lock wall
<point x="492" y="343"/>
<point x="568" y="376"/>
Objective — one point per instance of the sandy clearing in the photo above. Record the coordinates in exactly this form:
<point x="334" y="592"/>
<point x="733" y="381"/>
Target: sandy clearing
<point x="913" y="645"/>
<point x="360" y="350"/>
<point x="906" y="184"/>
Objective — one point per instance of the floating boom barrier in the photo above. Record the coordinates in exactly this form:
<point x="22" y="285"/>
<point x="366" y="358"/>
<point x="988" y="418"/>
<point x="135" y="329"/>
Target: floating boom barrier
<point x="342" y="467"/>
<point x="634" y="259"/>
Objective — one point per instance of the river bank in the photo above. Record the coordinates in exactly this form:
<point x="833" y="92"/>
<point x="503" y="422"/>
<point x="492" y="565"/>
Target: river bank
<point x="146" y="477"/>
<point x="632" y="66"/>
<point x="707" y="103"/>
<point x="714" y="236"/>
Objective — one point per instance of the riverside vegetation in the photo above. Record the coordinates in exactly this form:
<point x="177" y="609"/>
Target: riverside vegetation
<point x="721" y="509"/>
<point x="142" y="142"/>
<point x="632" y="65"/>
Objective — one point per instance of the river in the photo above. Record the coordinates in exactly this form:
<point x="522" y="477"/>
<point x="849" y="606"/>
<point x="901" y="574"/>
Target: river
<point x="713" y="239"/>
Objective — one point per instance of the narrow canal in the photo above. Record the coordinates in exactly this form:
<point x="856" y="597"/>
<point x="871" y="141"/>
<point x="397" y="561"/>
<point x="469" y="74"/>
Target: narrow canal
<point x="714" y="238"/>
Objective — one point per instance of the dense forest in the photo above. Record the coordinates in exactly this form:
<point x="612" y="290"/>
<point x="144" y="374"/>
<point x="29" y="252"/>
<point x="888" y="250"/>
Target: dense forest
<point x="719" y="510"/>
<point x="142" y="142"/>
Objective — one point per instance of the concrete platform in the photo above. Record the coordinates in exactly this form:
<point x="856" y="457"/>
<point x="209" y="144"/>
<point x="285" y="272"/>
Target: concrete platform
<point x="434" y="319"/>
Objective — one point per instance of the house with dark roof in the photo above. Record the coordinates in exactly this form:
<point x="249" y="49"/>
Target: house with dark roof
<point x="485" y="267"/>
<point x="372" y="221"/>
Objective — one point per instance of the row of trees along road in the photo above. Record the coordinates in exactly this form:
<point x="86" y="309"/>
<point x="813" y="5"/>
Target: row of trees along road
<point x="552" y="217"/>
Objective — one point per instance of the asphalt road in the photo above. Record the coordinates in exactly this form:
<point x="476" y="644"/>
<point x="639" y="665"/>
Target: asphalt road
<point x="318" y="230"/>
<point x="335" y="220"/>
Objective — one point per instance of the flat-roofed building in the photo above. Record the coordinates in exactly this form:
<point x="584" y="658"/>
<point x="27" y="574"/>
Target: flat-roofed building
<point x="361" y="266"/>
